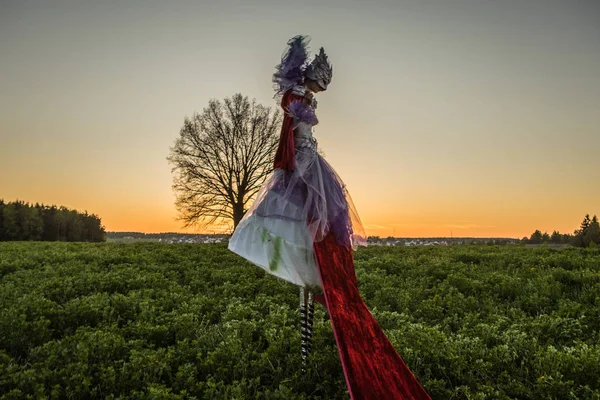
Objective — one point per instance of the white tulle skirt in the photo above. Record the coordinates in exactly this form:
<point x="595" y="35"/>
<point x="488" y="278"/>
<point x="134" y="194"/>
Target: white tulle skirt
<point x="292" y="210"/>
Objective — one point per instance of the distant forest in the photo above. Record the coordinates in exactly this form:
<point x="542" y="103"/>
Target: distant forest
<point x="588" y="235"/>
<point x="22" y="221"/>
<point x="161" y="235"/>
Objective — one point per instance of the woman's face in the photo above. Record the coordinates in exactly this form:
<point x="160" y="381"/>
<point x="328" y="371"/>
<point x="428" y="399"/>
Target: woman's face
<point x="313" y="86"/>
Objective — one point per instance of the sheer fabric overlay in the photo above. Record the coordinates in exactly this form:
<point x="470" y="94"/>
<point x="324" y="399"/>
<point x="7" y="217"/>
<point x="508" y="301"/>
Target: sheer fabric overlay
<point x="316" y="190"/>
<point x="294" y="209"/>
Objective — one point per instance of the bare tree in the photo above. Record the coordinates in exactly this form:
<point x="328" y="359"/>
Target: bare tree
<point x="221" y="158"/>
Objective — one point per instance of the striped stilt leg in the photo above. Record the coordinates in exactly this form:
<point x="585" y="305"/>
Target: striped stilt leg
<point x="310" y="312"/>
<point x="307" y="310"/>
<point x="303" y="326"/>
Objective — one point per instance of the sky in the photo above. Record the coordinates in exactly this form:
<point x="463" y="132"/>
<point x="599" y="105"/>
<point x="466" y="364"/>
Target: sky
<point x="450" y="117"/>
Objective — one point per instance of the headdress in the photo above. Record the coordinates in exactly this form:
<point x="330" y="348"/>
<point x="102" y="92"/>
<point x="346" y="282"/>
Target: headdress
<point x="290" y="72"/>
<point x="320" y="70"/>
<point x="294" y="67"/>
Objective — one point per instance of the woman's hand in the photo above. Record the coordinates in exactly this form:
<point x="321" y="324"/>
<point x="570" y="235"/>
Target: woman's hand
<point x="308" y="98"/>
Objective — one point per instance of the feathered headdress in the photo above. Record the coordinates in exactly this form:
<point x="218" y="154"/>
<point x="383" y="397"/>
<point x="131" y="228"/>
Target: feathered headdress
<point x="290" y="72"/>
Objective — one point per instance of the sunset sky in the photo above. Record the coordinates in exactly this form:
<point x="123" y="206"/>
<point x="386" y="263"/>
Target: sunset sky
<point x="471" y="118"/>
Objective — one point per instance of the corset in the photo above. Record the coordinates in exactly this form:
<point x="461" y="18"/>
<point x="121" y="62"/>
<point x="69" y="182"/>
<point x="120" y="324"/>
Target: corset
<point x="303" y="137"/>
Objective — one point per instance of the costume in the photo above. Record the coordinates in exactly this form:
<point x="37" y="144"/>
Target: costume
<point x="303" y="227"/>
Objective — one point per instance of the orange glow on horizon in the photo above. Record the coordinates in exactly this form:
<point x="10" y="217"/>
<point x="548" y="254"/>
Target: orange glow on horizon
<point x="419" y="223"/>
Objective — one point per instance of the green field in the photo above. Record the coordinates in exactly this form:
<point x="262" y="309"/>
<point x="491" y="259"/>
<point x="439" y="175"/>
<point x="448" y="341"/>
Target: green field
<point x="159" y="321"/>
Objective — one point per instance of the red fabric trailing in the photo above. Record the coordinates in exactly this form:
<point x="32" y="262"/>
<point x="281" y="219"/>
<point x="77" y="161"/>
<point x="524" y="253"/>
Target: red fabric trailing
<point x="372" y="367"/>
<point x="284" y="157"/>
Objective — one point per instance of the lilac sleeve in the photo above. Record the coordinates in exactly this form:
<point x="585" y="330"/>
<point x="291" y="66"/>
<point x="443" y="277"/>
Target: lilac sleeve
<point x="300" y="112"/>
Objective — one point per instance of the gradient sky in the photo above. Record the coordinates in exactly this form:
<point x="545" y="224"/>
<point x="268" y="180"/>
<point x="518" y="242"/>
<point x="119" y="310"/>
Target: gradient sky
<point x="480" y="118"/>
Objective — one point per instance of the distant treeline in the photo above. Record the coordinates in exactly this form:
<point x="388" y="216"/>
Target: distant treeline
<point x="22" y="221"/>
<point x="442" y="239"/>
<point x="588" y="235"/>
<point x="161" y="235"/>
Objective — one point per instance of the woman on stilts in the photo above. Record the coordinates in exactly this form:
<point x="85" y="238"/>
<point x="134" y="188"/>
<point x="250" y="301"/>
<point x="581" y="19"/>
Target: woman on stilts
<point x="303" y="227"/>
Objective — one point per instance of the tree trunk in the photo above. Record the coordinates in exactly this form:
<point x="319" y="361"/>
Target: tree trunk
<point x="238" y="214"/>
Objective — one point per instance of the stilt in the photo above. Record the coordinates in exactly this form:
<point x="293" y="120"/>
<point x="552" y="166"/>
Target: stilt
<point x="307" y="311"/>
